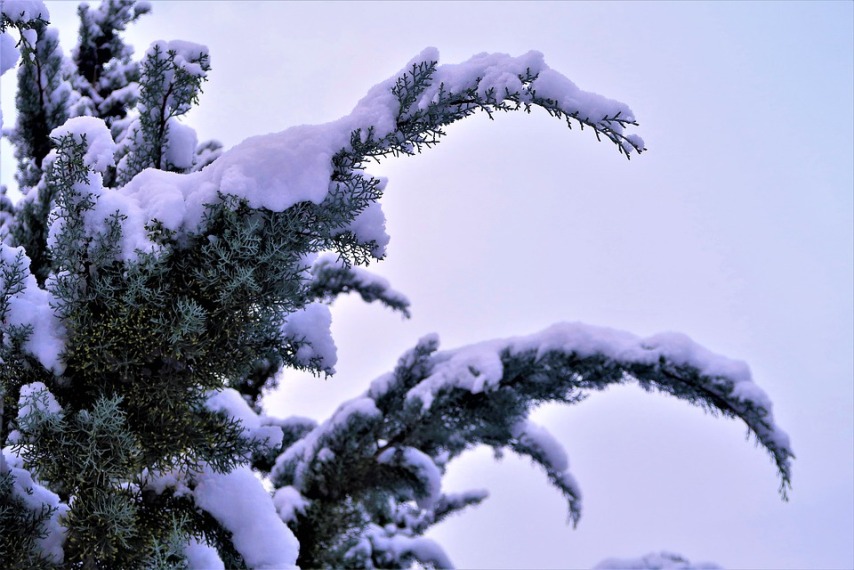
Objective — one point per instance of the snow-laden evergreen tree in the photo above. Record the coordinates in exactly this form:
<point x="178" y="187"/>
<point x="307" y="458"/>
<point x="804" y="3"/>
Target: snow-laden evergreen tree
<point x="152" y="288"/>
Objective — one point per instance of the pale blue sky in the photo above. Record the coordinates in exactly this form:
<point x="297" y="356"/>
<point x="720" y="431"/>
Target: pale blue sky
<point x="735" y="228"/>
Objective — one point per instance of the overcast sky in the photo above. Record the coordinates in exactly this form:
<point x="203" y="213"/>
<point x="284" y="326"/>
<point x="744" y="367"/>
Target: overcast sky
<point x="735" y="228"/>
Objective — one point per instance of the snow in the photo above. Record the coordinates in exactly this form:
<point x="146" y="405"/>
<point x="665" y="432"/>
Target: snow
<point x="368" y="226"/>
<point x="680" y="349"/>
<point x="159" y="481"/>
<point x="536" y="442"/>
<point x="367" y="279"/>
<point x="399" y="546"/>
<point x="20" y="11"/>
<point x="311" y="327"/>
<point x="475" y="369"/>
<point x="654" y="561"/>
<point x="230" y="401"/>
<point x="497" y="71"/>
<point x="36" y="397"/>
<point x="107" y="204"/>
<point x="500" y="72"/>
<point x="478" y="367"/>
<point x="31" y="306"/>
<point x="381" y="385"/>
<point x="288" y="502"/>
<point x="239" y="502"/>
<point x="35" y="497"/>
<point x="291" y="423"/>
<point x="124" y="95"/>
<point x="181" y="144"/>
<point x="8" y="53"/>
<point x="165" y="201"/>
<point x="552" y="85"/>
<point x="362" y="280"/>
<point x="276" y="171"/>
<point x="202" y="557"/>
<point x="467" y="496"/>
<point x="279" y="170"/>
<point x="100" y="145"/>
<point x="99" y="156"/>
<point x="186" y="54"/>
<point x="29" y="37"/>
<point x="422" y="466"/>
<point x="301" y="454"/>
<point x="534" y="436"/>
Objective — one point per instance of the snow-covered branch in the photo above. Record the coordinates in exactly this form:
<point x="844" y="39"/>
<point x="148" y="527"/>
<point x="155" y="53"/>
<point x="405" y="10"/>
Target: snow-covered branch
<point x="331" y="277"/>
<point x="399" y="436"/>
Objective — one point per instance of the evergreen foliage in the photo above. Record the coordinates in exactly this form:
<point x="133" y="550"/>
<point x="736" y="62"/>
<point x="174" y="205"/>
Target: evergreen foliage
<point x="106" y="75"/>
<point x="136" y="348"/>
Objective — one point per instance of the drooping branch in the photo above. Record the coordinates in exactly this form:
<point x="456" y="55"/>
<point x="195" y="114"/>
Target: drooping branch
<point x="396" y="439"/>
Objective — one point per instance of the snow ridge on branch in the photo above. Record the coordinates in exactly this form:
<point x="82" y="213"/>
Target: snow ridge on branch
<point x="402" y="115"/>
<point x="397" y="438"/>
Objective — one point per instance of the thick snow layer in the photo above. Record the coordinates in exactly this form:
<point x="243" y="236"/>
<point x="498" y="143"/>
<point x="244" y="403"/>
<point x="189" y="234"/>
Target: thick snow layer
<point x="20" y="11"/>
<point x="498" y="72"/>
<point x="288" y="502"/>
<point x="107" y="203"/>
<point x="31" y="306"/>
<point x="239" y="502"/>
<point x="202" y="557"/>
<point x="230" y="401"/>
<point x="478" y="367"/>
<point x="100" y="147"/>
<point x="8" y="53"/>
<point x="654" y="561"/>
<point x="278" y="170"/>
<point x="8" y="58"/>
<point x="310" y="326"/>
<point x="369" y="226"/>
<point x="164" y="199"/>
<point x="186" y="54"/>
<point x="181" y="144"/>
<point x="35" y="497"/>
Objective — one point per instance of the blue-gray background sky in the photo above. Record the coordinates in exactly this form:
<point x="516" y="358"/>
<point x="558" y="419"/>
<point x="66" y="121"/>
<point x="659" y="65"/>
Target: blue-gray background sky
<point x="735" y="228"/>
